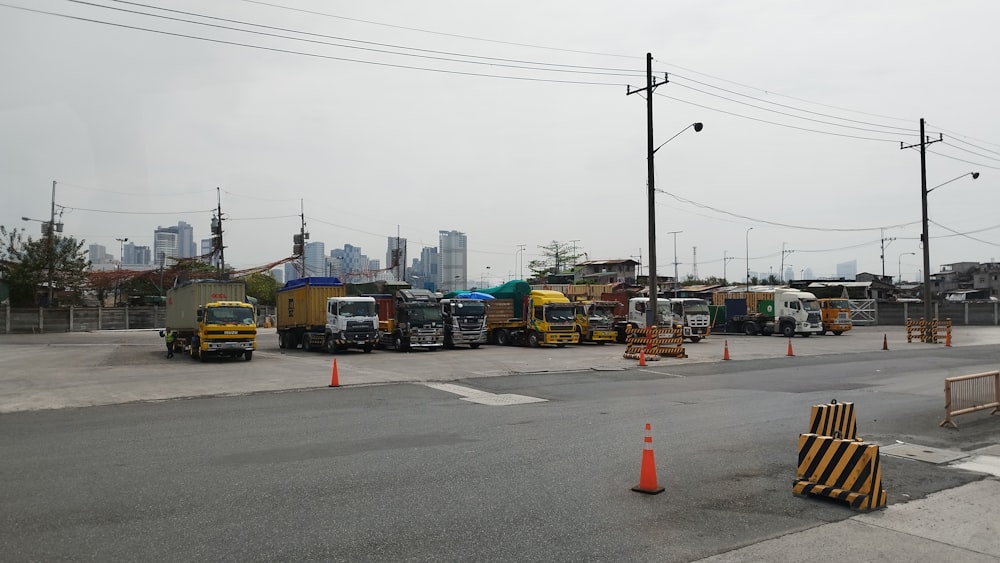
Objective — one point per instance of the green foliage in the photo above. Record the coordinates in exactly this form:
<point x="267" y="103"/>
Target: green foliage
<point x="558" y="258"/>
<point x="26" y="262"/>
<point x="263" y="287"/>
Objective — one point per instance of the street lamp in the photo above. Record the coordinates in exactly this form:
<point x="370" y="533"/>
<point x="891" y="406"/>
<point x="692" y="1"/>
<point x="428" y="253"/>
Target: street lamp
<point x="899" y="265"/>
<point x="748" y="257"/>
<point x="675" y="260"/>
<point x="725" y="260"/>
<point x="651" y="200"/>
<point x="926" y="239"/>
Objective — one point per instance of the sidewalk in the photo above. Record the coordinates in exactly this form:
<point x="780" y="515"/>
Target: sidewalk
<point x="957" y="524"/>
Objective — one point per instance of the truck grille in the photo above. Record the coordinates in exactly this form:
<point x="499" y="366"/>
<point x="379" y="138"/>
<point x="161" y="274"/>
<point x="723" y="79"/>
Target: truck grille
<point x="814" y="318"/>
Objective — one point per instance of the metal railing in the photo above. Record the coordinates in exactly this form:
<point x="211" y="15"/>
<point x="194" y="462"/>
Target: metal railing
<point x="970" y="393"/>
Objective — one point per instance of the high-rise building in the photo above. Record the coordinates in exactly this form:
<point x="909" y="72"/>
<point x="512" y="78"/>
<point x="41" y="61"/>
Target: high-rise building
<point x="425" y="270"/>
<point x="165" y="244"/>
<point x="206" y="251"/>
<point x="315" y="253"/>
<point x="395" y="257"/>
<point x="185" y="240"/>
<point x="847" y="270"/>
<point x="279" y="275"/>
<point x="98" y="254"/>
<point x="292" y="270"/>
<point x="453" y="260"/>
<point x="136" y="255"/>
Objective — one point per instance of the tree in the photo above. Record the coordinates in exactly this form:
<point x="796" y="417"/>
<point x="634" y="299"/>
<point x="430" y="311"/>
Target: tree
<point x="558" y="257"/>
<point x="26" y="263"/>
<point x="263" y="287"/>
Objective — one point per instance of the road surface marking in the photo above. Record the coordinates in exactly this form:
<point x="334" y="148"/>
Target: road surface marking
<point x="484" y="397"/>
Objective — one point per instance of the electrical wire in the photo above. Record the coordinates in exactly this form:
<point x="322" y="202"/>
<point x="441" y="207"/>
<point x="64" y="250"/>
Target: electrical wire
<point x="963" y="160"/>
<point x="947" y="144"/>
<point x="314" y="55"/>
<point x="136" y="212"/>
<point x="906" y="130"/>
<point x="964" y="235"/>
<point x="172" y="194"/>
<point x="776" y="123"/>
<point x="367" y="49"/>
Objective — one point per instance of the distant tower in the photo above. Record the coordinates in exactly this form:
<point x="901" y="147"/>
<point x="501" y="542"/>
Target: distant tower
<point x="694" y="262"/>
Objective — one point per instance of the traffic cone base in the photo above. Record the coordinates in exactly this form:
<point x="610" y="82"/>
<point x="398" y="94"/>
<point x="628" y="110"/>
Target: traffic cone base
<point x="725" y="354"/>
<point x="790" y="347"/>
<point x="334" y="378"/>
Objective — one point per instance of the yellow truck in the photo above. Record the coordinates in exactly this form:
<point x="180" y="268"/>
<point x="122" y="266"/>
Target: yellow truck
<point x="212" y="318"/>
<point x="595" y="321"/>
<point x="530" y="317"/>
<point x="836" y="314"/>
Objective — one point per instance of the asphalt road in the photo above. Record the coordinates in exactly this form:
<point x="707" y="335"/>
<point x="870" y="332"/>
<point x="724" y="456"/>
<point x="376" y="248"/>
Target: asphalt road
<point x="411" y="471"/>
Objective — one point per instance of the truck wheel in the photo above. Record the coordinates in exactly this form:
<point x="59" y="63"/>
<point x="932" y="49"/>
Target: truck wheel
<point x="787" y="330"/>
<point x="806" y="334"/>
<point x="367" y="348"/>
<point x="448" y="342"/>
<point x="695" y="339"/>
<point x="330" y="345"/>
<point x="305" y="343"/>
<point x="202" y="357"/>
<point x="281" y="340"/>
<point x="838" y="332"/>
<point x="474" y="345"/>
<point x="533" y="339"/>
<point x="248" y="355"/>
<point x="503" y="337"/>
<point x="749" y="329"/>
<point x="400" y="344"/>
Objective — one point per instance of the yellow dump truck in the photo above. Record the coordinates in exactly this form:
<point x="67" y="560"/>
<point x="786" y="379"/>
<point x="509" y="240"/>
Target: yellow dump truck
<point x="212" y="318"/>
<point x="520" y="315"/>
<point x="595" y="321"/>
<point x="836" y="313"/>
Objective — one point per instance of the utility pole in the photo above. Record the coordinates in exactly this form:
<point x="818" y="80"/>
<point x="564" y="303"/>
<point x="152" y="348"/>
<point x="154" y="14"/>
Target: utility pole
<point x="650" y="187"/>
<point x="520" y="250"/>
<point x="303" y="234"/>
<point x="222" y="251"/>
<point x="639" y="275"/>
<point x="924" y="239"/>
<point x="694" y="262"/>
<point x="52" y="240"/>
<point x="781" y="273"/>
<point x="884" y="240"/>
<point x="725" y="260"/>
<point x="676" y="280"/>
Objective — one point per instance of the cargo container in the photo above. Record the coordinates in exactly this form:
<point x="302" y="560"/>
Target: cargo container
<point x="212" y="318"/>
<point x="788" y="312"/>
<point x="302" y="311"/>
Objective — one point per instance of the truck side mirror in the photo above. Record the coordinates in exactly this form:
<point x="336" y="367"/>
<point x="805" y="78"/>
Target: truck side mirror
<point x="200" y="315"/>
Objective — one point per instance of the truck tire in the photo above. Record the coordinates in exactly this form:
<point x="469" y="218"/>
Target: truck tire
<point x="695" y="339"/>
<point x="502" y="336"/>
<point x="750" y="328"/>
<point x="367" y="348"/>
<point x="281" y="340"/>
<point x="330" y="344"/>
<point x="533" y="339"/>
<point x="474" y="345"/>
<point x="400" y="343"/>
<point x="787" y="330"/>
<point x="838" y="332"/>
<point x="305" y="343"/>
<point x="248" y="355"/>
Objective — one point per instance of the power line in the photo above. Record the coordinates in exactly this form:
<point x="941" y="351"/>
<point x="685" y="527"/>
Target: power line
<point x="906" y="130"/>
<point x="776" y="123"/>
<point x="135" y="212"/>
<point x="494" y="62"/>
<point x="172" y="194"/>
<point x="964" y="235"/>
<point x="970" y="152"/>
<point x="313" y="55"/>
<point x="963" y="160"/>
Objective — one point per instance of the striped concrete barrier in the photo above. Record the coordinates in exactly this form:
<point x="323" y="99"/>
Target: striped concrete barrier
<point x="845" y="470"/>
<point x="836" y="420"/>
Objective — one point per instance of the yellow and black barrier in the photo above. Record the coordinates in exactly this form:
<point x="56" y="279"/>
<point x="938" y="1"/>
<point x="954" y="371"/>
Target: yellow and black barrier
<point x="654" y="342"/>
<point x="836" y="420"/>
<point x="845" y="470"/>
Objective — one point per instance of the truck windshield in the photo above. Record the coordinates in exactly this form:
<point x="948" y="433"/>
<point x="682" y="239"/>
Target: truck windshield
<point x="424" y="314"/>
<point x="810" y="305"/>
<point x="840" y="304"/>
<point x="696" y="307"/>
<point x="357" y="309"/>
<point x="560" y="313"/>
<point x="467" y="309"/>
<point x="229" y="316"/>
<point x="603" y="312"/>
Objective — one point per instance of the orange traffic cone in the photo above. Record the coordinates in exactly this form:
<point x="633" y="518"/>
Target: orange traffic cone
<point x="885" y="341"/>
<point x="947" y="339"/>
<point x="725" y="354"/>
<point x="334" y="379"/>
<point x="790" y="347"/>
<point x="642" y="357"/>
<point x="647" y="474"/>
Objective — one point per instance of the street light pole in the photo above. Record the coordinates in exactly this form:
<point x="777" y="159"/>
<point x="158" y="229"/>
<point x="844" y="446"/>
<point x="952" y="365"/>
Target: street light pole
<point x="748" y="257"/>
<point x="675" y="260"/>
<point x="924" y="238"/>
<point x="121" y="256"/>
<point x="899" y="265"/>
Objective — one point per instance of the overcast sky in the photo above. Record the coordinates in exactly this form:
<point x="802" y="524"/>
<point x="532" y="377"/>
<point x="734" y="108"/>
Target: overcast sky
<point x="425" y="116"/>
